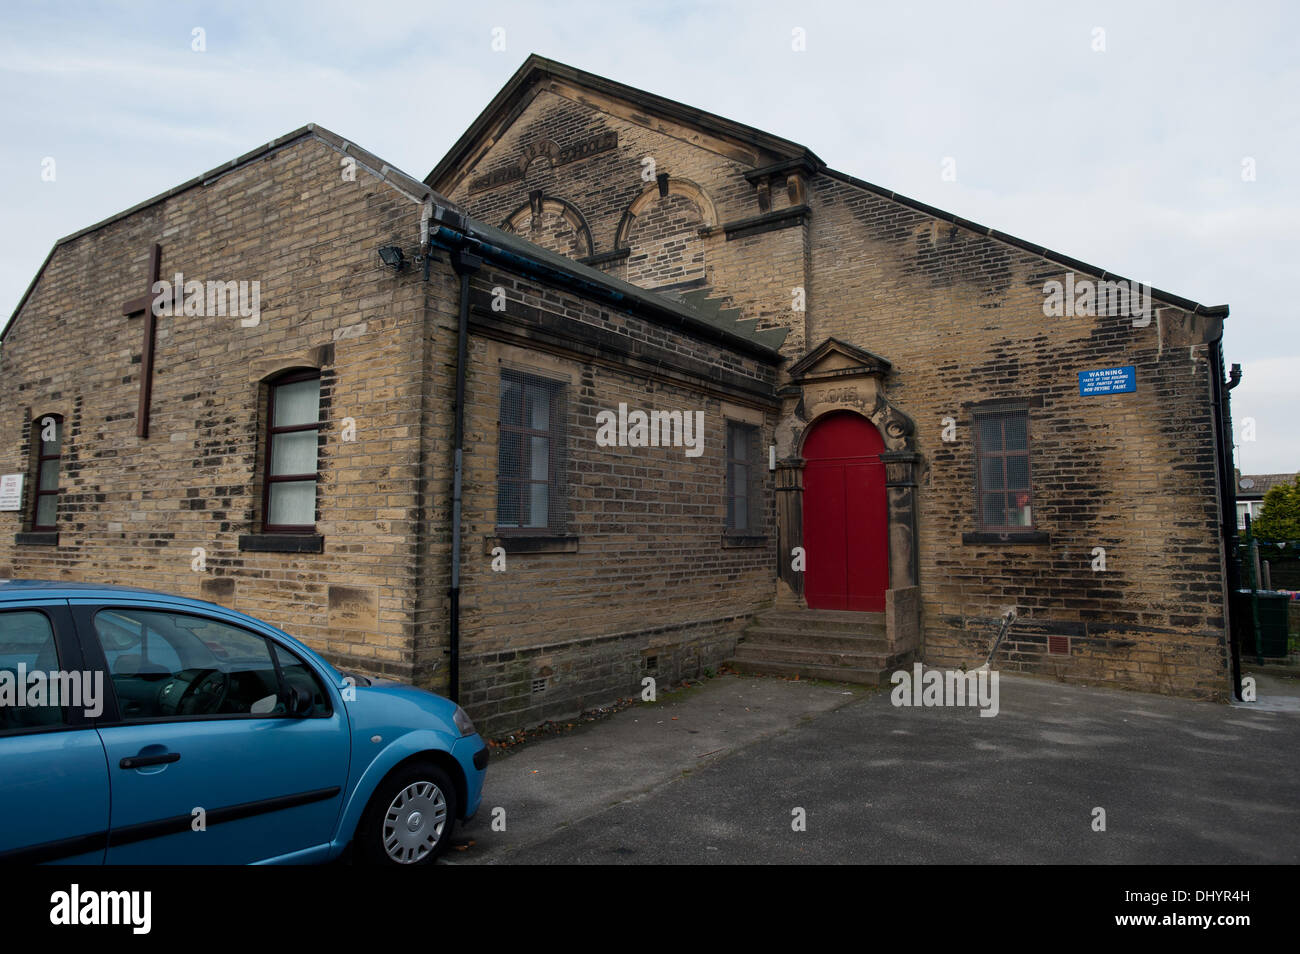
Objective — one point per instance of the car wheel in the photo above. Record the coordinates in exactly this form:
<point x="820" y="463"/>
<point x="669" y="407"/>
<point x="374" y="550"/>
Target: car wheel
<point x="409" y="819"/>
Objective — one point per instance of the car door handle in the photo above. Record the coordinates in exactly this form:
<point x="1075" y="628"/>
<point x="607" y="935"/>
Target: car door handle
<point x="140" y="761"/>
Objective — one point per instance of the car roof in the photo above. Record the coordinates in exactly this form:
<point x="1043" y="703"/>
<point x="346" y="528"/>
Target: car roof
<point x="52" y="589"/>
<point x="18" y="590"/>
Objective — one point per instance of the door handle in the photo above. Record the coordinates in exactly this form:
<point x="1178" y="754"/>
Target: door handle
<point x="140" y="761"/>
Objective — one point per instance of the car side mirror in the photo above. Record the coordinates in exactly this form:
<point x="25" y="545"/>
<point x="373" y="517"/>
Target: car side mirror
<point x="297" y="702"/>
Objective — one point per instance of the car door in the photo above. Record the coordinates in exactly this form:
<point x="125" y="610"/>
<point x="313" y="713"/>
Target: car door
<point x="53" y="776"/>
<point x="206" y="764"/>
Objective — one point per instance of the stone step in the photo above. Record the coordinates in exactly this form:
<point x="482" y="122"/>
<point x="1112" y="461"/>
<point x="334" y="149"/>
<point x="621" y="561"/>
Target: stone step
<point x="812" y="639"/>
<point x="823" y="621"/>
<point x="857" y="677"/>
<point x="810" y="656"/>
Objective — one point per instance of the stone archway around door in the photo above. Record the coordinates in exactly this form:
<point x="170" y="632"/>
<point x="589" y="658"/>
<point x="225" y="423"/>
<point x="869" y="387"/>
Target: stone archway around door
<point x="838" y="377"/>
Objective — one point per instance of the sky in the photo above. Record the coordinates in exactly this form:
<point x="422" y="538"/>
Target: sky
<point x="1156" y="140"/>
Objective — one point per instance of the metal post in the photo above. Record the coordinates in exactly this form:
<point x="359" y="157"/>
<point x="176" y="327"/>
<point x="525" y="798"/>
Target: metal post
<point x="1252" y="558"/>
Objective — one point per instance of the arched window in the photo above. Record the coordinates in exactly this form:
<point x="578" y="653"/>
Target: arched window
<point x="293" y="425"/>
<point x="48" y="435"/>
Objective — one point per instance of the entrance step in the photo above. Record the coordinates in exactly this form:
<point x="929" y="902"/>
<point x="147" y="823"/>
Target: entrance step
<point x="790" y="636"/>
<point x="818" y="644"/>
<point x="825" y="621"/>
<point x="857" y="677"/>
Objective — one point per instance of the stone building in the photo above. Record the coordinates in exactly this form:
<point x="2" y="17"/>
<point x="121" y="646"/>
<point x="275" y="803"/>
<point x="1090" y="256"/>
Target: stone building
<point x="721" y="402"/>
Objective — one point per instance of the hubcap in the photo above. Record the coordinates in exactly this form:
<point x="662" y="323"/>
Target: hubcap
<point x="414" y="821"/>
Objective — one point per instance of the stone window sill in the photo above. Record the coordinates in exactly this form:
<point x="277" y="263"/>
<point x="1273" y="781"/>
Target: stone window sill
<point x="39" y="538"/>
<point x="1006" y="538"/>
<point x="282" y="542"/>
<point x="744" y="540"/>
<point x="534" y="542"/>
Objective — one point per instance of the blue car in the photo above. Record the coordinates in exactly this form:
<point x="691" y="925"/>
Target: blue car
<point x="142" y="728"/>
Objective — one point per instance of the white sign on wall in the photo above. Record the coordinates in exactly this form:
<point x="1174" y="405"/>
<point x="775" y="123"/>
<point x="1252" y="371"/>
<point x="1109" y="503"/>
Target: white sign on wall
<point x="11" y="492"/>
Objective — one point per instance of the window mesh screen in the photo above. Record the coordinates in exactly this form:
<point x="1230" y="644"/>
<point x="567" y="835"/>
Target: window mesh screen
<point x="531" y="485"/>
<point x="744" y="483"/>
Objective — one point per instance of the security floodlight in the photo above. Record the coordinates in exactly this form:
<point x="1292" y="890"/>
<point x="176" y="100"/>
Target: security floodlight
<point x="392" y="256"/>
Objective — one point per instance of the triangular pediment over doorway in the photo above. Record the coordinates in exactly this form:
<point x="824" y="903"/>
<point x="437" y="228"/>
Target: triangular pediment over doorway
<point x="835" y="359"/>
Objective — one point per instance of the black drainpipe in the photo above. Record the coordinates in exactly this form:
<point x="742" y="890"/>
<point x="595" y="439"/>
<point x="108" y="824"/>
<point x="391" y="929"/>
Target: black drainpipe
<point x="465" y="265"/>
<point x="1227" y="495"/>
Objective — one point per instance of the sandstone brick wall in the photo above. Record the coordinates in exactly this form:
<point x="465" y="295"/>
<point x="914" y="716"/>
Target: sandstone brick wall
<point x="755" y="273"/>
<point x="643" y="580"/>
<point x="961" y="318"/>
<point x="650" y="587"/>
<point x="648" y="583"/>
<point x="667" y="248"/>
<point x="132" y="511"/>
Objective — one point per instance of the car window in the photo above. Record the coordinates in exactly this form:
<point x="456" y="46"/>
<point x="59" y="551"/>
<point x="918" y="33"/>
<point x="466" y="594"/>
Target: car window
<point x="177" y="665"/>
<point x="127" y="641"/>
<point x="298" y="674"/>
<point x="26" y="646"/>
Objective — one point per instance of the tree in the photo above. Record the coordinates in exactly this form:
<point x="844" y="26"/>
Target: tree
<point x="1279" y="520"/>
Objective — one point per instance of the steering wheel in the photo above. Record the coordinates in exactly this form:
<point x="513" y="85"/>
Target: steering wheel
<point x="206" y="695"/>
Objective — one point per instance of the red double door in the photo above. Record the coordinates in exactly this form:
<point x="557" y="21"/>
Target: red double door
<point x="845" y="515"/>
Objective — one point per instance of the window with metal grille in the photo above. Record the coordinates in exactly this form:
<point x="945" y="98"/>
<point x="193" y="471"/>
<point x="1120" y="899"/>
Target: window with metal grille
<point x="531" y="455"/>
<point x="293" y="428"/>
<point x="742" y="492"/>
<point x="45" y="508"/>
<point x="1004" y="492"/>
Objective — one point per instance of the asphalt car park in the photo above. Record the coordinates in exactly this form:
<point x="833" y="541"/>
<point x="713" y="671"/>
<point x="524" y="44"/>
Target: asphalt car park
<point x="715" y="774"/>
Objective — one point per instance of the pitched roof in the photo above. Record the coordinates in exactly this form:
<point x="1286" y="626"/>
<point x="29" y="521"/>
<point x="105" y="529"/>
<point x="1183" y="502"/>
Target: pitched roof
<point x="379" y="167"/>
<point x="706" y="319"/>
<point x="506" y="105"/>
<point x="1257" y="485"/>
<point x="694" y="309"/>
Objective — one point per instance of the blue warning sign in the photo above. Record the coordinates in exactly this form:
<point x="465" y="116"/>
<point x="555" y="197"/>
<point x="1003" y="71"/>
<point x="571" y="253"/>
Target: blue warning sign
<point x="1108" y="381"/>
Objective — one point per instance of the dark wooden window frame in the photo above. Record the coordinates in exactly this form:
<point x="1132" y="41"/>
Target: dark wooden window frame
<point x="1002" y="414"/>
<point x="272" y="431"/>
<point x="41" y="460"/>
<point x="555" y="435"/>
<point x="750" y="463"/>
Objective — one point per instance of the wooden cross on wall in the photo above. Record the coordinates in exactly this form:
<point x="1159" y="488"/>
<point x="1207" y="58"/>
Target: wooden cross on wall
<point x="144" y="305"/>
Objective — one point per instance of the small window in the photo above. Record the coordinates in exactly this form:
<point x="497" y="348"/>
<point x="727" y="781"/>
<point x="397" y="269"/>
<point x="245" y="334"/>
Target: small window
<point x="293" y="428"/>
<point x="175" y="666"/>
<point x="531" y="455"/>
<point x="742" y="496"/>
<point x="49" y="435"/>
<point x="26" y="647"/>
<point x="1005" y="494"/>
